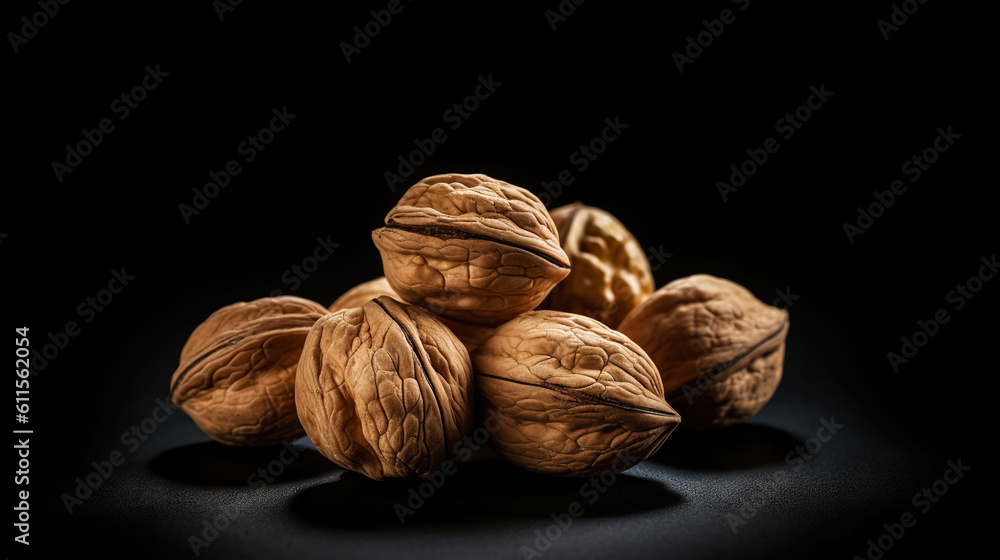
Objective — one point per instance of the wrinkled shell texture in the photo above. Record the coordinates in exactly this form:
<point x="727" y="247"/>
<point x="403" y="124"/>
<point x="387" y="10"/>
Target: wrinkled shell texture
<point x="718" y="348"/>
<point x="385" y="389"/>
<point x="363" y="293"/>
<point x="610" y="273"/>
<point x="571" y="393"/>
<point x="471" y="248"/>
<point x="236" y="377"/>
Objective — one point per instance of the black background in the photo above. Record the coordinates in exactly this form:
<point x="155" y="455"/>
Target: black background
<point x="323" y="177"/>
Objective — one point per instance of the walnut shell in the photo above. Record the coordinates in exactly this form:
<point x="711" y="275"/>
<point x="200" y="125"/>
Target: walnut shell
<point x="236" y="377"/>
<point x="718" y="348"/>
<point x="471" y="248"/>
<point x="610" y="273"/>
<point x="385" y="389"/>
<point x="363" y="293"/>
<point x="572" y="395"/>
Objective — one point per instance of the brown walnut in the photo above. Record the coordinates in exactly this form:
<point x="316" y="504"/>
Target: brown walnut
<point x="385" y="389"/>
<point x="573" y="395"/>
<point x="610" y="273"/>
<point x="471" y="248"/>
<point x="236" y="377"/>
<point x="718" y="348"/>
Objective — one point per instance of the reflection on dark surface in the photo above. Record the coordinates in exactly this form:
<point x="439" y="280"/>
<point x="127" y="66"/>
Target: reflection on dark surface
<point x="742" y="446"/>
<point x="480" y="492"/>
<point x="214" y="464"/>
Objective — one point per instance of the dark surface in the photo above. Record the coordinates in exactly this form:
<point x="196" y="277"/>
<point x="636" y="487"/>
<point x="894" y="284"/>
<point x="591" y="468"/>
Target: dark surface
<point x="323" y="177"/>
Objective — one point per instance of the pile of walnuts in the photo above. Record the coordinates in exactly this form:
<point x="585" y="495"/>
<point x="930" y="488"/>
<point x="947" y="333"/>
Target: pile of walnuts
<point x="489" y="305"/>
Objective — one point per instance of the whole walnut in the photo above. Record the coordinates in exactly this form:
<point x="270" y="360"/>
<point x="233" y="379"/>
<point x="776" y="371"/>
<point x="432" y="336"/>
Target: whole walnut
<point x="572" y="397"/>
<point x="718" y="348"/>
<point x="610" y="273"/>
<point x="471" y="248"/>
<point x="236" y="377"/>
<point x="385" y="389"/>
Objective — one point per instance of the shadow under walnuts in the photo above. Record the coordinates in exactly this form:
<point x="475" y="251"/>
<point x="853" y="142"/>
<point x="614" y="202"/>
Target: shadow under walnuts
<point x="743" y="446"/>
<point x="213" y="464"/>
<point x="479" y="493"/>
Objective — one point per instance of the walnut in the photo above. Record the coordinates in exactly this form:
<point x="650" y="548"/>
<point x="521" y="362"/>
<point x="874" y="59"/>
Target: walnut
<point x="385" y="389"/>
<point x="571" y="393"/>
<point x="718" y="348"/>
<point x="610" y="273"/>
<point x="236" y="377"/>
<point x="471" y="248"/>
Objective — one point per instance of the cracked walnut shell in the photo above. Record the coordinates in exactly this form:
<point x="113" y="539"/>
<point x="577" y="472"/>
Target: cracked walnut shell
<point x="385" y="389"/>
<point x="471" y="248"/>
<point x="572" y="394"/>
<point x="610" y="273"/>
<point x="236" y="377"/>
<point x="718" y="348"/>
